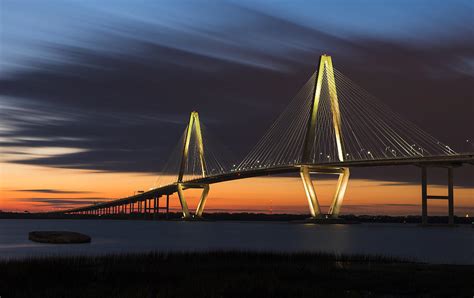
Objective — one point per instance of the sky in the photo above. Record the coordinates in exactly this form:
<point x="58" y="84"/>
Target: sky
<point x="94" y="95"/>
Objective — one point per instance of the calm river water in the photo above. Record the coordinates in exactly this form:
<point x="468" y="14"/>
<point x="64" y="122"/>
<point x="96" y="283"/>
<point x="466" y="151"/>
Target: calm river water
<point x="434" y="244"/>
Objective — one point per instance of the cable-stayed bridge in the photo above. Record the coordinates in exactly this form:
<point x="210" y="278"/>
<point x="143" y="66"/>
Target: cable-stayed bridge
<point x="329" y="127"/>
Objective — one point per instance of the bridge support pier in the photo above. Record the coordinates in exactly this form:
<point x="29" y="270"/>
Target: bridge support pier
<point x="182" y="201"/>
<point x="313" y="203"/>
<point x="314" y="208"/>
<point x="425" y="197"/>
<point x="184" y="204"/>
<point x="202" y="200"/>
<point x="340" y="192"/>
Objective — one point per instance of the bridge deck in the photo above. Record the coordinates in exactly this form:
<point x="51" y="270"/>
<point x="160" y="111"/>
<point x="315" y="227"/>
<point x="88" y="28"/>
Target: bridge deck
<point x="446" y="161"/>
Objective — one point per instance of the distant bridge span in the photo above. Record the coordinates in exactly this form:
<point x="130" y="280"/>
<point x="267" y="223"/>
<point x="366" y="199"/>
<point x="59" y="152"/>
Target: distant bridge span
<point x="431" y="161"/>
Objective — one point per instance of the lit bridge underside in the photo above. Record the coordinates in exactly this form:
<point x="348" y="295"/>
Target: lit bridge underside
<point x="327" y="128"/>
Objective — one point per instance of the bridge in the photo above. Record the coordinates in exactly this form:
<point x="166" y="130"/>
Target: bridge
<point x="329" y="127"/>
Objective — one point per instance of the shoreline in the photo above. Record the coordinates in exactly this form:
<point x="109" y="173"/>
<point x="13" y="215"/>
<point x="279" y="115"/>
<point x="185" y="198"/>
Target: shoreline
<point x="243" y="216"/>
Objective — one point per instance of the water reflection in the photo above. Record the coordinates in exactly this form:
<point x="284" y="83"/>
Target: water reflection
<point x="435" y="245"/>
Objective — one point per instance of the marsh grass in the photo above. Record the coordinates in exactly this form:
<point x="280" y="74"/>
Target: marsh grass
<point x="231" y="274"/>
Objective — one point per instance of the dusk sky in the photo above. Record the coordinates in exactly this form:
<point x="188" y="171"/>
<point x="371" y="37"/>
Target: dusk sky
<point x="94" y="95"/>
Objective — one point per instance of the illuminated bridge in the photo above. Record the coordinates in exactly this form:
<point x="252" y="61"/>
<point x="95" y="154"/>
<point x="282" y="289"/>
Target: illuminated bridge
<point x="329" y="127"/>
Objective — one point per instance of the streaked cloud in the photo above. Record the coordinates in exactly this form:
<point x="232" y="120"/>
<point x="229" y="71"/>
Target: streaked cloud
<point x="53" y="191"/>
<point x="60" y="202"/>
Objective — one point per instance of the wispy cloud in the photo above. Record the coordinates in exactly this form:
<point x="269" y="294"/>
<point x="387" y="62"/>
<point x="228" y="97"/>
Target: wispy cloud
<point x="64" y="201"/>
<point x="53" y="191"/>
<point x="403" y="183"/>
<point x="401" y="205"/>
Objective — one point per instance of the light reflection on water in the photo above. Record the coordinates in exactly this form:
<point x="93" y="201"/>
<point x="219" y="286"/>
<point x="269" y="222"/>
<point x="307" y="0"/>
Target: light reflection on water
<point x="434" y="244"/>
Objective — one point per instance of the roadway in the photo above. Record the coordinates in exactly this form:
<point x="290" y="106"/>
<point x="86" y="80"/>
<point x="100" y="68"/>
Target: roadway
<point x="439" y="161"/>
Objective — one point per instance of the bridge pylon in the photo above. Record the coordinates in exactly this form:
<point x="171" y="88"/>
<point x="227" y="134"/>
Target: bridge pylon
<point x="193" y="128"/>
<point x="325" y="71"/>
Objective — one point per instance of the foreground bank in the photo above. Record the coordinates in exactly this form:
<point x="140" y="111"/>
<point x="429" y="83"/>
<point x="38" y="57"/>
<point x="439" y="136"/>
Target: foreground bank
<point x="231" y="274"/>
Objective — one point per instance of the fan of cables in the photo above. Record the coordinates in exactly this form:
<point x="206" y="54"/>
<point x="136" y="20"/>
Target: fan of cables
<point x="369" y="129"/>
<point x="215" y="159"/>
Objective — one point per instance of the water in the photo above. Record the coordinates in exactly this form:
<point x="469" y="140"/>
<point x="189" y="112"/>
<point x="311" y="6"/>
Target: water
<point x="434" y="245"/>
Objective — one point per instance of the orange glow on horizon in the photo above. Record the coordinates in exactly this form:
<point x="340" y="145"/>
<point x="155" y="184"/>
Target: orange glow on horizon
<point x="36" y="188"/>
